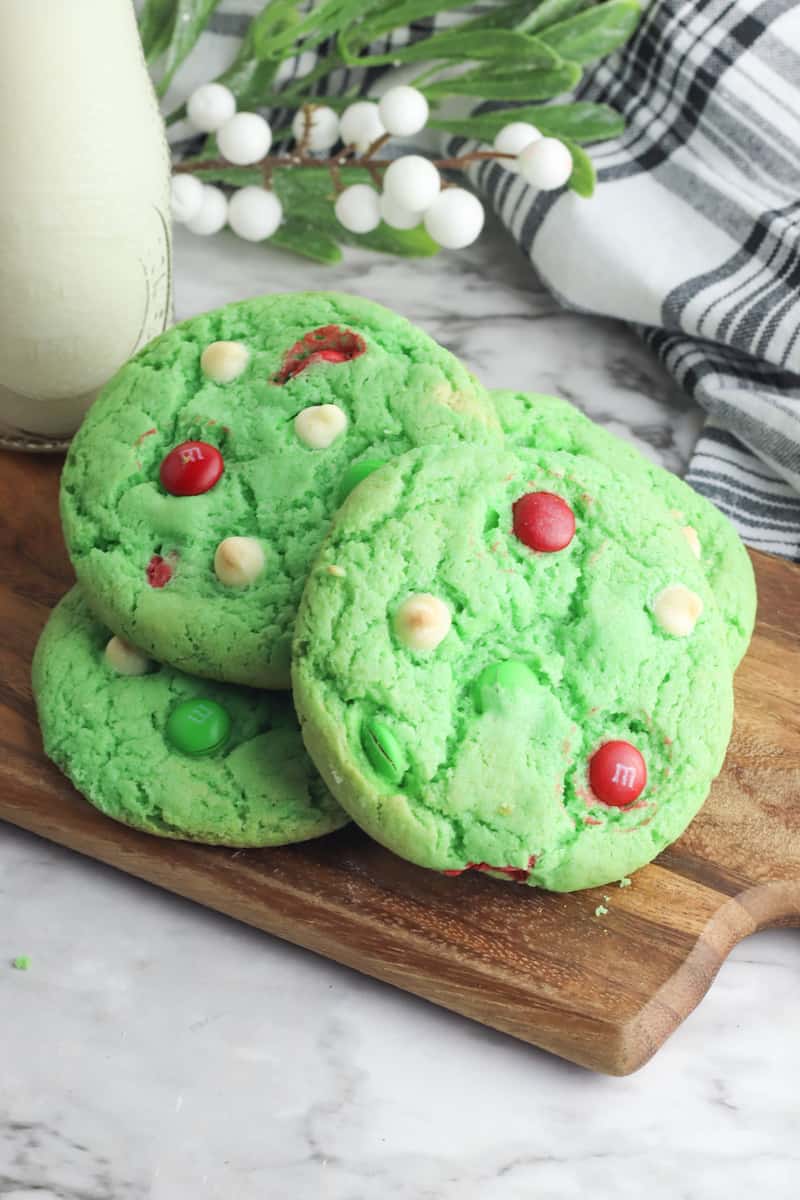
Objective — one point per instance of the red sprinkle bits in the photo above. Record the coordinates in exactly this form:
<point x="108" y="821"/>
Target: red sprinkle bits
<point x="543" y="521"/>
<point x="159" y="572"/>
<point x="517" y="874"/>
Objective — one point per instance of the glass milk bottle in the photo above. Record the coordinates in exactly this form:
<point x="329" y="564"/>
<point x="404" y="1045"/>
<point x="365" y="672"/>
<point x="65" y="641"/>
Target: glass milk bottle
<point x="85" y="251"/>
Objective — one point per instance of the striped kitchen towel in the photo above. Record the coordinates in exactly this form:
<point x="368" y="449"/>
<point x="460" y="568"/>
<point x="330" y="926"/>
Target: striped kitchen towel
<point x="692" y="235"/>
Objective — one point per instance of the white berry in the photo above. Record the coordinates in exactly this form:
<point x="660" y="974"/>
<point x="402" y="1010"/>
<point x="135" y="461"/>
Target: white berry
<point x="125" y="659"/>
<point x="323" y="127"/>
<point x="677" y="610"/>
<point x="210" y="106"/>
<point x="547" y="164"/>
<point x="396" y="216"/>
<point x="186" y="197"/>
<point x="320" y="425"/>
<point x="238" y="561"/>
<point x="455" y="219"/>
<point x="403" y="111"/>
<point x="254" y="213"/>
<point x="412" y="182"/>
<point x="245" y="139"/>
<point x="222" y="362"/>
<point x="357" y="208"/>
<point x="513" y="139"/>
<point x="422" y="621"/>
<point x="212" y="214"/>
<point x="361" y="125"/>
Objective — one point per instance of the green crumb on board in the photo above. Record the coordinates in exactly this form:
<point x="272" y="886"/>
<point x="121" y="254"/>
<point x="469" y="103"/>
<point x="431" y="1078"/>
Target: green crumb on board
<point x="625" y="882"/>
<point x="21" y="962"/>
<point x="601" y="910"/>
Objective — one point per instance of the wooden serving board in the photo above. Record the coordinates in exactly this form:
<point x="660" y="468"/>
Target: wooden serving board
<point x="603" y="991"/>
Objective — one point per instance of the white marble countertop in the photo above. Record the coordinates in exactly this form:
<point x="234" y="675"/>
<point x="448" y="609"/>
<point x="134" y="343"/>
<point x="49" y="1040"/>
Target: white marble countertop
<point x="156" y="1050"/>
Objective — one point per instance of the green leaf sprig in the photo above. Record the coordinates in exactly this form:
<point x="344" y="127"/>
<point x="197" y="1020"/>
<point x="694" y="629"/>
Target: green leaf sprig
<point x="522" y="55"/>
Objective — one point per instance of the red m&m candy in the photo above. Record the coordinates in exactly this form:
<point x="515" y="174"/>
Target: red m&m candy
<point x="617" y="774"/>
<point x="191" y="469"/>
<point x="329" y="344"/>
<point x="543" y="521"/>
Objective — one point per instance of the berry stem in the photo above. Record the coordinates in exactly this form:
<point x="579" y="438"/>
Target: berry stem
<point x="302" y="145"/>
<point x="336" y="178"/>
<point x="373" y="148"/>
<point x="281" y="161"/>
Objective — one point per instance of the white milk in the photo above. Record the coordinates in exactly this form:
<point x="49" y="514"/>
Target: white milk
<point x="85" y="249"/>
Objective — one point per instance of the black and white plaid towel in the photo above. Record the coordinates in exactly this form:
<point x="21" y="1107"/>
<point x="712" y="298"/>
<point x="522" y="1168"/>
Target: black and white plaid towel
<point x="693" y="234"/>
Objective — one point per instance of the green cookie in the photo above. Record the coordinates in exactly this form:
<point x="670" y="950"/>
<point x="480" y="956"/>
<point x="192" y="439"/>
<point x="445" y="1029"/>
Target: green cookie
<point x="172" y="755"/>
<point x="548" y="423"/>
<point x="464" y="695"/>
<point x="314" y="385"/>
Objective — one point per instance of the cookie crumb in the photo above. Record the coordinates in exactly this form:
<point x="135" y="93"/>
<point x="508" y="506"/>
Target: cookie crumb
<point x="625" y="882"/>
<point x="601" y="910"/>
<point x="505" y="810"/>
<point x="21" y="962"/>
<point x="339" y="572"/>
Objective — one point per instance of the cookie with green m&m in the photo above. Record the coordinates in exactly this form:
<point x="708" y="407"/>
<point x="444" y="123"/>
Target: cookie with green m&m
<point x="548" y="423"/>
<point x="170" y="754"/>
<point x="512" y="661"/>
<point x="202" y="481"/>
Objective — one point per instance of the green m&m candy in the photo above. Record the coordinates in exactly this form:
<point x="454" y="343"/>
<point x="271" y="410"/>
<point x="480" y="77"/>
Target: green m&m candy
<point x="384" y="751"/>
<point x="496" y="684"/>
<point x="198" y="727"/>
<point x="355" y="473"/>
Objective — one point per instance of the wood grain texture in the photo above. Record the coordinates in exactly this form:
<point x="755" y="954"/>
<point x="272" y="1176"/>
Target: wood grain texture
<point x="603" y="991"/>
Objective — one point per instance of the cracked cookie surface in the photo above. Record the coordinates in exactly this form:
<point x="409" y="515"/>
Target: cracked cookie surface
<point x="546" y="422"/>
<point x="240" y="427"/>
<point x="554" y="716"/>
<point x="105" y="711"/>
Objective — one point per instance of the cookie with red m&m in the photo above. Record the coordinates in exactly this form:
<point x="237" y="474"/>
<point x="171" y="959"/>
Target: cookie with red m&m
<point x="197" y="492"/>
<point x="508" y="661"/>
<point x="547" y="422"/>
<point x="169" y="754"/>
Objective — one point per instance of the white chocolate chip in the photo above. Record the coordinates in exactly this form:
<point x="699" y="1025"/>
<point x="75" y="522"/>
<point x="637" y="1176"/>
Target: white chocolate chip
<point x="676" y="513"/>
<point x="317" y="427"/>
<point x="339" y="572"/>
<point x="238" y="561"/>
<point x="125" y="659"/>
<point x="223" y="361"/>
<point x="461" y="401"/>
<point x="422" y="621"/>
<point x="690" y="533"/>
<point x="677" y="610"/>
